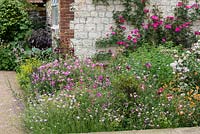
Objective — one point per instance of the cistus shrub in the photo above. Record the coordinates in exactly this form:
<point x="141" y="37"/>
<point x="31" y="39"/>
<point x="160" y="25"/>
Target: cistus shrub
<point x="14" y="20"/>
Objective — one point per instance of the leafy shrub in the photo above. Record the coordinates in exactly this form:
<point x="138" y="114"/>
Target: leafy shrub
<point x="41" y="39"/>
<point x="7" y="58"/>
<point x="127" y="84"/>
<point x="14" y="21"/>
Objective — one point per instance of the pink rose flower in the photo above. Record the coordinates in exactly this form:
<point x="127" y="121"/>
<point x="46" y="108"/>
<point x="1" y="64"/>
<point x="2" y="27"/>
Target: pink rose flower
<point x="146" y="10"/>
<point x="168" y="26"/>
<point x="180" y="4"/>
<point x="154" y="17"/>
<point x="188" y="7"/>
<point x="170" y="17"/>
<point x="178" y="29"/>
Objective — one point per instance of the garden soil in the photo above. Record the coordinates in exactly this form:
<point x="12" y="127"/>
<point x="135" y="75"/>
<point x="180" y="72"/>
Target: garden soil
<point x="10" y="106"/>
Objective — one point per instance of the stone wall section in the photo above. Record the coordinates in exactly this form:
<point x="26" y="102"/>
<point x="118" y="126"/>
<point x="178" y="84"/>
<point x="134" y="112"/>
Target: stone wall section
<point x="93" y="22"/>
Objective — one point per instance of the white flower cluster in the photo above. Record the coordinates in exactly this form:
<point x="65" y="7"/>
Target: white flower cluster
<point x="180" y="65"/>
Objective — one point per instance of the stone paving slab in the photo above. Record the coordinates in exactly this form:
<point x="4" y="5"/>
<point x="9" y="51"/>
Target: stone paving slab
<point x="10" y="121"/>
<point x="192" y="130"/>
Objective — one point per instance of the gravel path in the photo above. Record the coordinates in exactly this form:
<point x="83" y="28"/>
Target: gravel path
<point x="10" y="107"/>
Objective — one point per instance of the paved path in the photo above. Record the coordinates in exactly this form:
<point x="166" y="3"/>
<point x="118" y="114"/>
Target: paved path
<point x="10" y="122"/>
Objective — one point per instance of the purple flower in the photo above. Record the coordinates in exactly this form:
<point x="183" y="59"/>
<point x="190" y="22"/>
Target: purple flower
<point x="148" y="65"/>
<point x="100" y="78"/>
<point x="98" y="94"/>
<point x="66" y="73"/>
<point x="128" y="67"/>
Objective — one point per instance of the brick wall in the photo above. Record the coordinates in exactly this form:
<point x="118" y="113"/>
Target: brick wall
<point x="66" y="15"/>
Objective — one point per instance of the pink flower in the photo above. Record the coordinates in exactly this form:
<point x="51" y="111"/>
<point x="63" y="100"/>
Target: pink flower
<point x="120" y="42"/>
<point x="113" y="33"/>
<point x="163" y="40"/>
<point x="123" y="27"/>
<point x="146" y="10"/>
<point x="170" y="17"/>
<point x="145" y="26"/>
<point x="135" y="31"/>
<point x="154" y="17"/>
<point x="142" y="86"/>
<point x="196" y="6"/>
<point x="66" y="73"/>
<point x="98" y="94"/>
<point x="52" y="83"/>
<point x="160" y="22"/>
<point x="129" y="37"/>
<point x="148" y="65"/>
<point x="188" y="7"/>
<point x="134" y="40"/>
<point x="168" y="26"/>
<point x="155" y="25"/>
<point x="121" y="19"/>
<point x="197" y="33"/>
<point x="169" y="97"/>
<point x="178" y="29"/>
<point x="180" y="4"/>
<point x="160" y="90"/>
<point x="100" y="78"/>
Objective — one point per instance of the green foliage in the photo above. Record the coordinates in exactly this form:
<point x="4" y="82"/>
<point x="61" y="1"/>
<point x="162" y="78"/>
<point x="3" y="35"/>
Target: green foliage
<point x="148" y="62"/>
<point x="7" y="58"/>
<point x="14" y="21"/>
<point x="66" y="113"/>
<point x="126" y="83"/>
<point x="25" y="71"/>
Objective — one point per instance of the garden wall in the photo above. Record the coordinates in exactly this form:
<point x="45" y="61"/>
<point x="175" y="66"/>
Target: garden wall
<point x="92" y="22"/>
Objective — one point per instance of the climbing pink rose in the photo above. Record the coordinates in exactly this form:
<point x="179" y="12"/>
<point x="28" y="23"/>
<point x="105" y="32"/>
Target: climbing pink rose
<point x="178" y="29"/>
<point x="154" y="17"/>
<point x="180" y="4"/>
<point x="188" y="7"/>
<point x="146" y="10"/>
<point x="170" y="17"/>
<point x="168" y="26"/>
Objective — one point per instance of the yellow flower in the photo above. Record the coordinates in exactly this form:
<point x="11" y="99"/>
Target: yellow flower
<point x="192" y="104"/>
<point x="197" y="87"/>
<point x="181" y="113"/>
<point x="195" y="73"/>
<point x="197" y="97"/>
